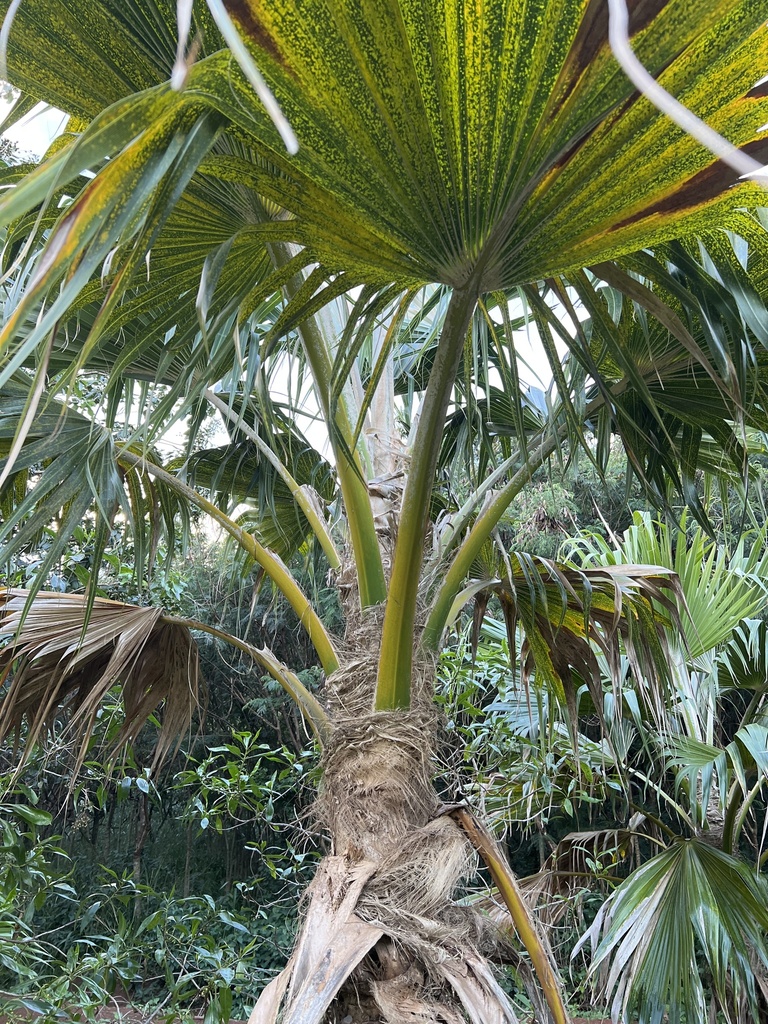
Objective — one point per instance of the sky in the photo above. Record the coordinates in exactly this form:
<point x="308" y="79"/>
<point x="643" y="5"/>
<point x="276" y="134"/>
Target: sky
<point x="35" y="132"/>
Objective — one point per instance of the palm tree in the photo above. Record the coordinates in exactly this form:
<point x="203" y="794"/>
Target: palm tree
<point x="449" y="161"/>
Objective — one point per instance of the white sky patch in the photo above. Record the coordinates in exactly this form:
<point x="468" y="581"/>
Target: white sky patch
<point x="35" y="132"/>
<point x="533" y="366"/>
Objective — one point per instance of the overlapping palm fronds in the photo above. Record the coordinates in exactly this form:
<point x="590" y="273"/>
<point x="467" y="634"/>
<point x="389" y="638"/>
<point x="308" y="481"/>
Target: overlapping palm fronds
<point x="397" y="182"/>
<point x="743" y="662"/>
<point x="698" y="898"/>
<point x="74" y="463"/>
<point x="568" y="616"/>
<point x="719" y="588"/>
<point x="240" y="472"/>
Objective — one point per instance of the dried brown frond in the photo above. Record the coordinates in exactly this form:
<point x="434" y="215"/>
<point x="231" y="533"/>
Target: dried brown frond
<point x="582" y="861"/>
<point x="59" y="661"/>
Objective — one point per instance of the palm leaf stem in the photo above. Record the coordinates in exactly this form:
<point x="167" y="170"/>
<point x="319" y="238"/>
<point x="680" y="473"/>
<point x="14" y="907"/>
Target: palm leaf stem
<point x="679" y="810"/>
<point x="736" y="815"/>
<point x="654" y="820"/>
<point x="731" y="813"/>
<point x="478" y="535"/>
<point x="307" y="703"/>
<point x="272" y="565"/>
<point x="393" y="685"/>
<point x="752" y="707"/>
<point x="357" y="503"/>
<point x="505" y="882"/>
<point x="460" y="519"/>
<point x="299" y="493"/>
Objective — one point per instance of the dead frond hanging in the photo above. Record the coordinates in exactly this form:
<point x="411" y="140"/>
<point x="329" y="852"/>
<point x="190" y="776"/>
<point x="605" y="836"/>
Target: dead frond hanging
<point x="58" y="661"/>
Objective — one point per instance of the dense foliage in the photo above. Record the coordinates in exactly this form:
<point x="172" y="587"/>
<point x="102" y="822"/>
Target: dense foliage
<point x="332" y="226"/>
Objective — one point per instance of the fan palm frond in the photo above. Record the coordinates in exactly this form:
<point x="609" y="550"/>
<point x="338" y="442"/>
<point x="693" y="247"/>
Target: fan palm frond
<point x="59" y="665"/>
<point x="568" y="615"/>
<point x="76" y="469"/>
<point x="719" y="588"/>
<point x="691" y="900"/>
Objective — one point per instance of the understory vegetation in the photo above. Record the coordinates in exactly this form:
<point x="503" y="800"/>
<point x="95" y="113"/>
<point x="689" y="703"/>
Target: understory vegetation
<point x="179" y="892"/>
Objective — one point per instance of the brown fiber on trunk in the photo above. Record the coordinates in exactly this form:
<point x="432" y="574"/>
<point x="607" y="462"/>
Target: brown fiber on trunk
<point x="382" y="938"/>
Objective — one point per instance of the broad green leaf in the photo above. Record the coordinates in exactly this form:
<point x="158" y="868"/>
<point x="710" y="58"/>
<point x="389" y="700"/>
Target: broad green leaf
<point x="30" y="814"/>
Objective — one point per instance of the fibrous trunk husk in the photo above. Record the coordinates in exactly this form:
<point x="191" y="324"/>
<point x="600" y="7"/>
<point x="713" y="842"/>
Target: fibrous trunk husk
<point x="382" y="938"/>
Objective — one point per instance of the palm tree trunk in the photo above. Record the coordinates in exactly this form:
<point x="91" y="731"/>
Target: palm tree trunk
<point x="382" y="937"/>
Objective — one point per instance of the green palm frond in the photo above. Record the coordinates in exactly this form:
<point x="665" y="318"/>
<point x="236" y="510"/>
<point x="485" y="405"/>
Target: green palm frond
<point x="626" y="375"/>
<point x="690" y="901"/>
<point x="87" y="472"/>
<point x="567" y="616"/>
<point x="399" y="177"/>
<point x="77" y="473"/>
<point x="479" y="152"/>
<point x="740" y="771"/>
<point x="475" y="140"/>
<point x="239" y="473"/>
<point x="719" y="588"/>
<point x="743" y="662"/>
<point x="667" y="398"/>
<point x="421" y="190"/>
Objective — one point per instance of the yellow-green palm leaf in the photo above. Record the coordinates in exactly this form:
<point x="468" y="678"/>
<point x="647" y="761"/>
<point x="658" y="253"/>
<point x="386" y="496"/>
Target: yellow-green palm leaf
<point x="498" y="140"/>
<point x="503" y="135"/>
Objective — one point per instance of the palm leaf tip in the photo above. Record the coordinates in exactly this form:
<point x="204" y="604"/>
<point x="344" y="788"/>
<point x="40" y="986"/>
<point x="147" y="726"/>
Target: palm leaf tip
<point x="59" y="659"/>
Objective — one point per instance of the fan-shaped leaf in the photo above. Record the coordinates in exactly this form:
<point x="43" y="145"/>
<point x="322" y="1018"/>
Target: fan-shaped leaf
<point x="62" y="658"/>
<point x="692" y="899"/>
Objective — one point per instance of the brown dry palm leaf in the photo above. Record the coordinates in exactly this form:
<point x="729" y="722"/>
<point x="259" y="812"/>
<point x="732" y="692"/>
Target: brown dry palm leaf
<point x="334" y="940"/>
<point x="585" y="860"/>
<point x="53" y="667"/>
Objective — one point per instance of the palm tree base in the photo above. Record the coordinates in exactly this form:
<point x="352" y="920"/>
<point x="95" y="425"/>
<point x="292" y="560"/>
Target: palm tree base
<point x="382" y="938"/>
<point x="347" y="970"/>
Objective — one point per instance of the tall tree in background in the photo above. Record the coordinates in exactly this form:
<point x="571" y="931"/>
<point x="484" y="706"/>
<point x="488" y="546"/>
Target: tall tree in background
<point x="451" y="159"/>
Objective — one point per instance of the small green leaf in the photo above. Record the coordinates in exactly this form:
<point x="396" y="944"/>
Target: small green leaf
<point x="237" y="925"/>
<point x="31" y="814"/>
